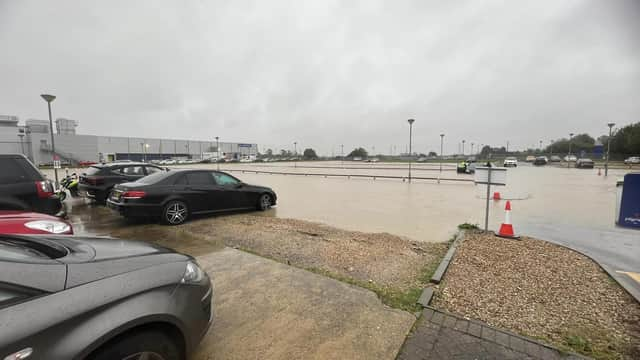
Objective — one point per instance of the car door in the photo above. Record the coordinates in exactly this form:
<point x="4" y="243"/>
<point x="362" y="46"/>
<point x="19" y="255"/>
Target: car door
<point x="204" y="194"/>
<point x="238" y="195"/>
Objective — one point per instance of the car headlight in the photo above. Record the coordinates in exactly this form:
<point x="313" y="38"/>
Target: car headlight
<point x="192" y="274"/>
<point x="52" y="226"/>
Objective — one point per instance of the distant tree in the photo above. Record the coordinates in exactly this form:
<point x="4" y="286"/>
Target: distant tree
<point x="309" y="154"/>
<point x="358" y="152"/>
<point x="433" y="154"/>
<point x="627" y="140"/>
<point x="486" y="150"/>
<point x="269" y="152"/>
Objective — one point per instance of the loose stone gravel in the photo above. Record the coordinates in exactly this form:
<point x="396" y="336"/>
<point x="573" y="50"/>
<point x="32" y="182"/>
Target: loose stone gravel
<point x="542" y="290"/>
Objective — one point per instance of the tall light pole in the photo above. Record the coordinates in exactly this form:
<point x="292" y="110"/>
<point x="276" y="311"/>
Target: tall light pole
<point x="540" y="146"/>
<point x="569" y="156"/>
<point x="410" y="121"/>
<point x="218" y="153"/>
<point x="49" y="98"/>
<point x="342" y="154"/>
<point x="606" y="164"/>
<point x="472" y="153"/>
<point x="21" y="136"/>
<point x="441" y="151"/>
<point x="463" y="141"/>
<point x="295" y="154"/>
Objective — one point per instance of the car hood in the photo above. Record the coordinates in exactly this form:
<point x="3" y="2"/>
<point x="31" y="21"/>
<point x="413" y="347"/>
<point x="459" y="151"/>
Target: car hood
<point x="90" y="259"/>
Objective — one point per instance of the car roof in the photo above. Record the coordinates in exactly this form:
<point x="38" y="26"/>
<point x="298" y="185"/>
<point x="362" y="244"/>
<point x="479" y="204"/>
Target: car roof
<point x="122" y="163"/>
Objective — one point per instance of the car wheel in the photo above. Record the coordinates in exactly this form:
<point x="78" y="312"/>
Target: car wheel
<point x="175" y="212"/>
<point x="150" y="345"/>
<point x="264" y="203"/>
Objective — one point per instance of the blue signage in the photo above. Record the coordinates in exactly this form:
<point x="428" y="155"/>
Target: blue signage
<point x="244" y="145"/>
<point x="630" y="205"/>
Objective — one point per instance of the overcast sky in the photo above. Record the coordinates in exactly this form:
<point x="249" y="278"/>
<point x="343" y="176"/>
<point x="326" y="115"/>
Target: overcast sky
<point x="325" y="73"/>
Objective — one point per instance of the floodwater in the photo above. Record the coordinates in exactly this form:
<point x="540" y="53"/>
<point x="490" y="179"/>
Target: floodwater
<point x="426" y="210"/>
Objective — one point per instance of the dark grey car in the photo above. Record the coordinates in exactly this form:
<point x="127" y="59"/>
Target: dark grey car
<point x="99" y="298"/>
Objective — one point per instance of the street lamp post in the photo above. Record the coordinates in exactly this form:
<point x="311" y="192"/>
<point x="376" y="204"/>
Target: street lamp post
<point x="295" y="154"/>
<point x="49" y="98"/>
<point x="540" y="146"/>
<point x="463" y="141"/>
<point x="410" y="121"/>
<point x="569" y="156"/>
<point x="218" y="153"/>
<point x="472" y="153"/>
<point x="342" y="154"/>
<point x="21" y="136"/>
<point x="606" y="164"/>
<point x="441" y="154"/>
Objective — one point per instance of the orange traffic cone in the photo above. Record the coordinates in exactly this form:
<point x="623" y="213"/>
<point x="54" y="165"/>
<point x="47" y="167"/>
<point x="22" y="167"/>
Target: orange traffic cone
<point x="506" y="229"/>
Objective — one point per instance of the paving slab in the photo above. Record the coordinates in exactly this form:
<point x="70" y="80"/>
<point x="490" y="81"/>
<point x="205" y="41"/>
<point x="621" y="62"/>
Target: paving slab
<point x="268" y="310"/>
<point x="470" y="339"/>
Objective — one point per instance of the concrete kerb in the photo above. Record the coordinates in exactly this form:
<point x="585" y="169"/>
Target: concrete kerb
<point x="427" y="292"/>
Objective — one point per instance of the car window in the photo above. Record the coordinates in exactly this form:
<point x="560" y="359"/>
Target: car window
<point x="181" y="180"/>
<point x="93" y="170"/>
<point x="199" y="178"/>
<point x="12" y="172"/>
<point x="132" y="171"/>
<point x="154" y="178"/>
<point x="224" y="179"/>
<point x="152" y="170"/>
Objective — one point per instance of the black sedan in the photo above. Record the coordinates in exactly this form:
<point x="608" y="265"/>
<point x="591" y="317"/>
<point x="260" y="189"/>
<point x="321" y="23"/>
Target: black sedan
<point x="99" y="299"/>
<point x="175" y="195"/>
<point x="98" y="180"/>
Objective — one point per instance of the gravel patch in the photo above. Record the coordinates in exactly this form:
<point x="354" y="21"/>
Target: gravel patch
<point x="384" y="259"/>
<point x="380" y="259"/>
<point x="542" y="290"/>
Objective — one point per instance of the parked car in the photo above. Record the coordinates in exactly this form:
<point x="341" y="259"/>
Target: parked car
<point x="569" y="158"/>
<point x="530" y="158"/>
<point x="584" y="163"/>
<point x="98" y="180"/>
<point x="632" y="160"/>
<point x="67" y="297"/>
<point x="27" y="222"/>
<point x="555" y="158"/>
<point x="510" y="161"/>
<point x="23" y="187"/>
<point x="176" y="195"/>
<point x="540" y="160"/>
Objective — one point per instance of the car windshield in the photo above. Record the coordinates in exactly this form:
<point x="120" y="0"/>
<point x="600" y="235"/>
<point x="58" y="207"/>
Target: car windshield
<point x="92" y="170"/>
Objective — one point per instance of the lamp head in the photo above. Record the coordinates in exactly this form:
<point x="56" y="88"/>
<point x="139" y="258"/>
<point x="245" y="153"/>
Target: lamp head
<point x="411" y="121"/>
<point x="48" y="98"/>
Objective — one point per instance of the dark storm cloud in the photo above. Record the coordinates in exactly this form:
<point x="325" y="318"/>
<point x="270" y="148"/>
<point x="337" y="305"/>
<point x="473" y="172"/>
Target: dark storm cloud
<point x="324" y="73"/>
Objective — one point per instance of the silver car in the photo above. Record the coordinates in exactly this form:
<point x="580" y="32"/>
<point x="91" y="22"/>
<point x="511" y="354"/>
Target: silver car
<point x="99" y="298"/>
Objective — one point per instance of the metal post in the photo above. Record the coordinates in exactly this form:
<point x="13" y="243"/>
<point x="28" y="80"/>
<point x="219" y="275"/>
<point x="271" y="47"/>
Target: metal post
<point x="53" y="144"/>
<point x="441" y="155"/>
<point x="128" y="148"/>
<point x="410" y="151"/>
<point x="463" y="141"/>
<point x="21" y="143"/>
<point x="342" y="155"/>
<point x="606" y="164"/>
<point x="218" y="153"/>
<point x="569" y="155"/>
<point x="486" y="214"/>
<point x="295" y="154"/>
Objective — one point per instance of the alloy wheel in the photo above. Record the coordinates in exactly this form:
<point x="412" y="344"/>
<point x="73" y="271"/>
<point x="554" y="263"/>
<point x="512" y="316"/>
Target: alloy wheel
<point x="176" y="213"/>
<point x="265" y="202"/>
<point x="144" y="355"/>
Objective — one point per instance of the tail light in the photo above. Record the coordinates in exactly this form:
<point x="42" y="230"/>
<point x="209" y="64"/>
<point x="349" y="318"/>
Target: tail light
<point x="133" y="194"/>
<point x="44" y="188"/>
<point x="94" y="180"/>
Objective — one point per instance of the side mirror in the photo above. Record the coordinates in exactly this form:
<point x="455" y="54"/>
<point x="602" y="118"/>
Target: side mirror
<point x="239" y="185"/>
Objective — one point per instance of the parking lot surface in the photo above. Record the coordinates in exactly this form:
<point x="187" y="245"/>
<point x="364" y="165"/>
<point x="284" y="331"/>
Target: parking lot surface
<point x="265" y="309"/>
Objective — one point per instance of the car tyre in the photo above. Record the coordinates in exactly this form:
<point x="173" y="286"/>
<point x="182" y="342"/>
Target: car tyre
<point x="175" y="212"/>
<point x="264" y="202"/>
<point x="149" y="344"/>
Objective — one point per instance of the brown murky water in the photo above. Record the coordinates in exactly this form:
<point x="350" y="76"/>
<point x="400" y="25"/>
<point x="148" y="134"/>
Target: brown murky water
<point x="425" y="210"/>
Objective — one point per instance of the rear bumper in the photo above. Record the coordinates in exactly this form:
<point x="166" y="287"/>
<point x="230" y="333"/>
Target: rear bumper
<point x="133" y="209"/>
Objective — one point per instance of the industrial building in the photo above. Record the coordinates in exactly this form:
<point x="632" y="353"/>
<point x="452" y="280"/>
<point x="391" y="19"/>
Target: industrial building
<point x="33" y="139"/>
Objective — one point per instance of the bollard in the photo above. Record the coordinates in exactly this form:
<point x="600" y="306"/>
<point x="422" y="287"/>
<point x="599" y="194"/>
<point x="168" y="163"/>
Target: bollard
<point x="496" y="196"/>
